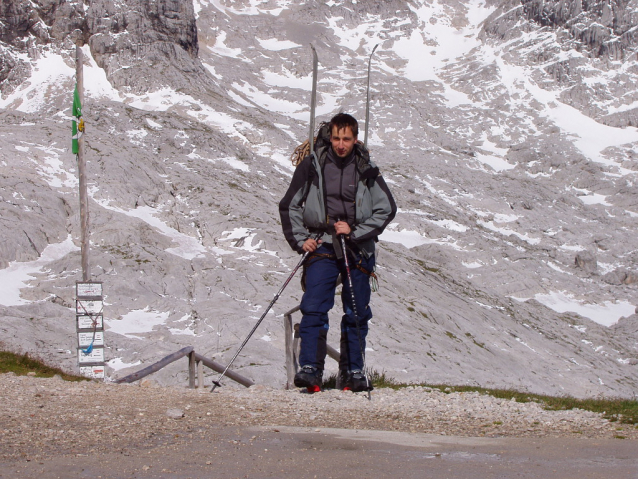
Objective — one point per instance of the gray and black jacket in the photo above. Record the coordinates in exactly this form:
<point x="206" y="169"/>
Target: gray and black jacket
<point x="303" y="210"/>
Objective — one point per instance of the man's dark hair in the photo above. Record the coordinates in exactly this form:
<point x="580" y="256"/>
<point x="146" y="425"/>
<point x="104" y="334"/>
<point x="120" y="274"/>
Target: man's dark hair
<point x="342" y="120"/>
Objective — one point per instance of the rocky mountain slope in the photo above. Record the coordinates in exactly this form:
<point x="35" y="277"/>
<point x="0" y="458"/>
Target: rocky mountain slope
<point x="506" y="131"/>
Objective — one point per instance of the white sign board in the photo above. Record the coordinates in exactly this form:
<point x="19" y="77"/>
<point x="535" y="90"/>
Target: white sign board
<point x="96" y="372"/>
<point x="85" y="339"/>
<point x="88" y="289"/>
<point x="88" y="307"/>
<point x="95" y="356"/>
<point x="86" y="322"/>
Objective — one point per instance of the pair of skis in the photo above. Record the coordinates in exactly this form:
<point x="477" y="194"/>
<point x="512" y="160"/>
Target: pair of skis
<point x="313" y="103"/>
<point x="313" y="98"/>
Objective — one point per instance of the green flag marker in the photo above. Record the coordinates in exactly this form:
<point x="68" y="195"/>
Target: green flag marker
<point x="77" y="120"/>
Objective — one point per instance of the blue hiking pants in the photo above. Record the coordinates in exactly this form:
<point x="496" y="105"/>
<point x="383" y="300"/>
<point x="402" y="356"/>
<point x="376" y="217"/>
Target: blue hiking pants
<point x="322" y="271"/>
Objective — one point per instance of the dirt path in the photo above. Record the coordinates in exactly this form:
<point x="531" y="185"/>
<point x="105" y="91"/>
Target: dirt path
<point x="50" y="428"/>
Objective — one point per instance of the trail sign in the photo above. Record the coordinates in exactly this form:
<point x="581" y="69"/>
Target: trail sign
<point x="96" y="355"/>
<point x="89" y="320"/>
<point x="95" y="372"/>
<point x="86" y="339"/>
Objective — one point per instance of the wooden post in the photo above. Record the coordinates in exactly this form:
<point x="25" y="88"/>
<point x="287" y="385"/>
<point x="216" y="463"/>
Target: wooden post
<point x="290" y="360"/>
<point x="191" y="370"/>
<point x="296" y="347"/>
<point x="292" y="347"/>
<point x="84" y="202"/>
<point x="200" y="374"/>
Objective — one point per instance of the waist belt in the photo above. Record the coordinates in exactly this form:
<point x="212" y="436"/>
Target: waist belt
<point x="319" y="256"/>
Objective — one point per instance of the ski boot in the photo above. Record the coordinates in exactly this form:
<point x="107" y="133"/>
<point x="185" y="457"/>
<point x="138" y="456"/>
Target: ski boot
<point x="309" y="377"/>
<point x="355" y="381"/>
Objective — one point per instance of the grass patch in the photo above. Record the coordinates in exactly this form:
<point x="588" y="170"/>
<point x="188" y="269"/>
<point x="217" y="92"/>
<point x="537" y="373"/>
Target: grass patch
<point x="23" y="364"/>
<point x="623" y="411"/>
<point x="378" y="380"/>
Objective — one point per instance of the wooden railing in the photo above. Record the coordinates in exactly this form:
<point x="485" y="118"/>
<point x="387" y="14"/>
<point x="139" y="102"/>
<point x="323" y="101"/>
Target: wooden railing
<point x="196" y="363"/>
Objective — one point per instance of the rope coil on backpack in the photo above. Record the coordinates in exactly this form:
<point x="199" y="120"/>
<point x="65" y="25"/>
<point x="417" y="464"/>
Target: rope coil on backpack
<point x="300" y="153"/>
<point x="303" y="150"/>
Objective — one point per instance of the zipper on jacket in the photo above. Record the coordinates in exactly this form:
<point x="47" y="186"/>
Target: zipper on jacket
<point x="343" y="203"/>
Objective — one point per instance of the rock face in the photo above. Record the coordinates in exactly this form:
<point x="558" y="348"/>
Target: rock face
<point x="596" y="30"/>
<point x="603" y="28"/>
<point x="130" y="43"/>
<point x="515" y="185"/>
<point x="25" y="27"/>
<point x="26" y="24"/>
<point x="127" y="41"/>
<point x="586" y="261"/>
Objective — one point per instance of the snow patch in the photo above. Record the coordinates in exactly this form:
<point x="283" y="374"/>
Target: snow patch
<point x="17" y="275"/>
<point x="136" y="323"/>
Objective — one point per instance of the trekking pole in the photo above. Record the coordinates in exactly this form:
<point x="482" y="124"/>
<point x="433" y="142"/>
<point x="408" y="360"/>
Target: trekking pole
<point x="301" y="261"/>
<point x="354" y="310"/>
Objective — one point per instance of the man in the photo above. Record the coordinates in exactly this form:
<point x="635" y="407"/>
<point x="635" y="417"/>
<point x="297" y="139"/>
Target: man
<point x="336" y="192"/>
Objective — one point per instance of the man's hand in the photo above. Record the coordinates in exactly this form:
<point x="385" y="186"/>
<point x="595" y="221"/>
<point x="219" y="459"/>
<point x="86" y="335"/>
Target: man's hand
<point x="311" y="245"/>
<point x="342" y="228"/>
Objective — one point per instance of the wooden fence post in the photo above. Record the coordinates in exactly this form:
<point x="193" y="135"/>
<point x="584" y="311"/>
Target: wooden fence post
<point x="291" y="363"/>
<point x="191" y="370"/>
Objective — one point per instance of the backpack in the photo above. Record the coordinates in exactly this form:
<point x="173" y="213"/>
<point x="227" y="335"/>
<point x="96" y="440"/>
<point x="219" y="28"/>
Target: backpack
<point x="321" y="140"/>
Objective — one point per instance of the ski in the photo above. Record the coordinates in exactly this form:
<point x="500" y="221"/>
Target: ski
<point x="365" y="137"/>
<point x="313" y="98"/>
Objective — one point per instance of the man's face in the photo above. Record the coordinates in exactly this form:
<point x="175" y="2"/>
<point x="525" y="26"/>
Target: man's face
<point x="342" y="141"/>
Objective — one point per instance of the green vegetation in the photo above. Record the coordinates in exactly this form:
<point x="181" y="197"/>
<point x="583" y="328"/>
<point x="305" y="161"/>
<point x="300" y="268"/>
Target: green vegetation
<point x="379" y="380"/>
<point x="127" y="255"/>
<point x="423" y="265"/>
<point x="624" y="411"/>
<point x="23" y="364"/>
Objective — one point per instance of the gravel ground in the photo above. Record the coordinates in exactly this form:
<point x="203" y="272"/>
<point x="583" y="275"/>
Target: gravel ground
<point x="50" y="417"/>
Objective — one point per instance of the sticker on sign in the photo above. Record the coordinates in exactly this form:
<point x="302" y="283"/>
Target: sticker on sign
<point x="96" y="372"/>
